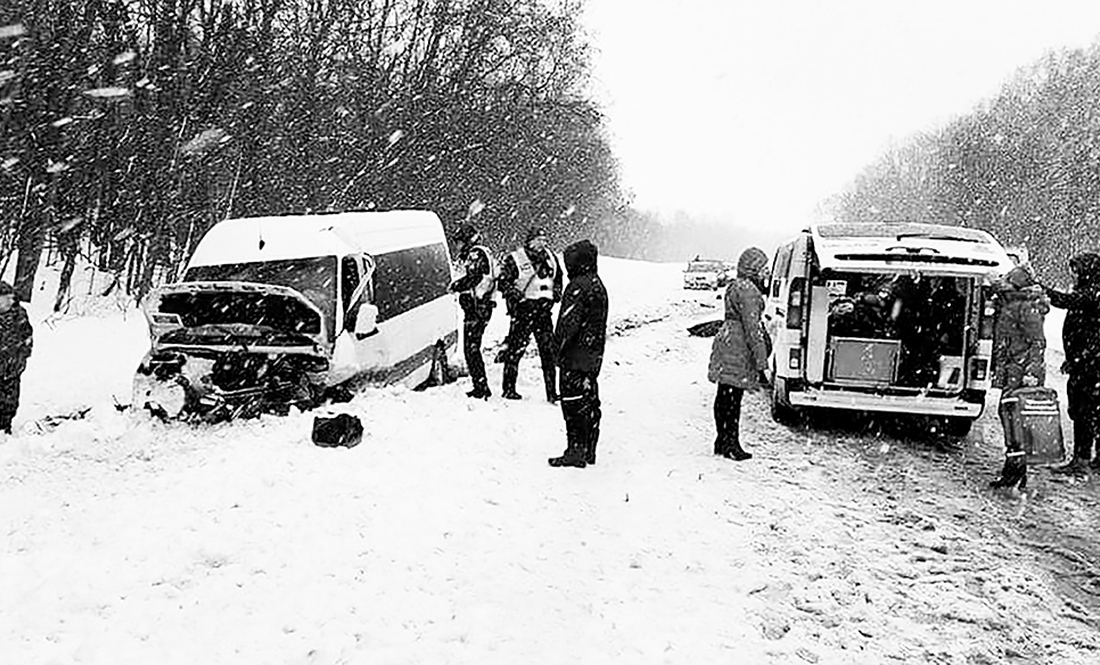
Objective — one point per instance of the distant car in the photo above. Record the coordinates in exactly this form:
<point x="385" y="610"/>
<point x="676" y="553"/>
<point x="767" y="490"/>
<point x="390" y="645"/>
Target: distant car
<point x="709" y="274"/>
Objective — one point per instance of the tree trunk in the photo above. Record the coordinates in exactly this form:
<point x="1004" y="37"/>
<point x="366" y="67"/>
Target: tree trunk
<point x="30" y="242"/>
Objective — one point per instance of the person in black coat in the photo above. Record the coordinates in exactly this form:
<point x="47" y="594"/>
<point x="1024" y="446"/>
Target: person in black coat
<point x="1081" y="343"/>
<point x="530" y="282"/>
<point x="578" y="342"/>
<point x="475" y="288"/>
<point x="16" y="342"/>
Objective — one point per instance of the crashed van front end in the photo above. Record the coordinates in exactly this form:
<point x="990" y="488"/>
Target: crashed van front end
<point x="224" y="350"/>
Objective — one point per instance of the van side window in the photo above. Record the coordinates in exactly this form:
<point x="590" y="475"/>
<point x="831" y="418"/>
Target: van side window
<point x="408" y="278"/>
<point x="349" y="279"/>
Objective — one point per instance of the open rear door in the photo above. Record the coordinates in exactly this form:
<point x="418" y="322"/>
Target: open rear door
<point x="817" y="334"/>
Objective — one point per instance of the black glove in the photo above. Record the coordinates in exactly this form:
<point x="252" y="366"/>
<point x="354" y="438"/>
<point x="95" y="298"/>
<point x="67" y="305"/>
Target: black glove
<point x="453" y="287"/>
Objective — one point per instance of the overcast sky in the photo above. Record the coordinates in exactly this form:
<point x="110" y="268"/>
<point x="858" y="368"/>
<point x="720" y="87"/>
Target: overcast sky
<point x="756" y="110"/>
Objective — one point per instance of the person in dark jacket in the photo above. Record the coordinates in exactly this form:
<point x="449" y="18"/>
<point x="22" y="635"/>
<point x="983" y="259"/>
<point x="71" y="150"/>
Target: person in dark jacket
<point x="578" y="344"/>
<point x="1081" y="343"/>
<point x="16" y="343"/>
<point x="530" y="282"/>
<point x="1019" y="345"/>
<point x="475" y="291"/>
<point x="738" y="355"/>
<point x="914" y="321"/>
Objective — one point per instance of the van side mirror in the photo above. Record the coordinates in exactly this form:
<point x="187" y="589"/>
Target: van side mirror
<point x="366" y="324"/>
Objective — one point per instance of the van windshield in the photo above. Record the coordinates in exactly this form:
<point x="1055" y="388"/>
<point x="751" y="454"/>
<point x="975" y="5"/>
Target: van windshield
<point x="705" y="266"/>
<point x="313" y="277"/>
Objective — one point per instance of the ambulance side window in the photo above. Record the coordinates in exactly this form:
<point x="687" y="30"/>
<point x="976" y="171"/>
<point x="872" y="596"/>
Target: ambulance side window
<point x="780" y="269"/>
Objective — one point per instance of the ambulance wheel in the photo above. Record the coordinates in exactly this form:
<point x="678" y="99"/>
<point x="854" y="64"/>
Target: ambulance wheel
<point x="959" y="427"/>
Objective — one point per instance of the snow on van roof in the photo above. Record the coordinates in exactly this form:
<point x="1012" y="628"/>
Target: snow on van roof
<point x="929" y="246"/>
<point x="254" y="239"/>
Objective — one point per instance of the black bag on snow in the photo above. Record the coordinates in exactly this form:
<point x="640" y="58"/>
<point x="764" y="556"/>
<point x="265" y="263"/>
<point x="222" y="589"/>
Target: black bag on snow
<point x="705" y="329"/>
<point x="340" y="430"/>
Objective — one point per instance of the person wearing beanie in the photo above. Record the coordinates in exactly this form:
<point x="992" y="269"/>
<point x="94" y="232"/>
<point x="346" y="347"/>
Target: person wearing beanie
<point x="475" y="290"/>
<point x="531" y="282"/>
<point x="1081" y="343"/>
<point x="1019" y="345"/>
<point x="16" y="343"/>
<point x="738" y="355"/>
<point x="578" y="343"/>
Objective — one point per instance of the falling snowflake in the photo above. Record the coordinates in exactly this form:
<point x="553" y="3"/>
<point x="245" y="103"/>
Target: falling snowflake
<point x="12" y="31"/>
<point x="108" y="92"/>
<point x="204" y="141"/>
<point x="69" y="224"/>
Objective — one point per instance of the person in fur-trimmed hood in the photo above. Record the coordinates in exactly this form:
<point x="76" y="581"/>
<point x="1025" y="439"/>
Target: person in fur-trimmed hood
<point x="1018" y="357"/>
<point x="578" y="343"/>
<point x="738" y="355"/>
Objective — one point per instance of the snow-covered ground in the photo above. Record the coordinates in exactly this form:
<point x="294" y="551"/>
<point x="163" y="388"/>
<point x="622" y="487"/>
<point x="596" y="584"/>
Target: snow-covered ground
<point x="446" y="538"/>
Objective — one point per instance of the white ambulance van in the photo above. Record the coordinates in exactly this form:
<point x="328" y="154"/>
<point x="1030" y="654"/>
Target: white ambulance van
<point x="884" y="317"/>
<point x="280" y="311"/>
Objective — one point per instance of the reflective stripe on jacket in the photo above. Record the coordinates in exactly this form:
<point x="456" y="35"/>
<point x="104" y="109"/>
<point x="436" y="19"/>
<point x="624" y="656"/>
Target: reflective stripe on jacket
<point x="528" y="283"/>
<point x="484" y="287"/>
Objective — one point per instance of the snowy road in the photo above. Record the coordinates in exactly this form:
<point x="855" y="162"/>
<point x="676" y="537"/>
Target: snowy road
<point x="445" y="538"/>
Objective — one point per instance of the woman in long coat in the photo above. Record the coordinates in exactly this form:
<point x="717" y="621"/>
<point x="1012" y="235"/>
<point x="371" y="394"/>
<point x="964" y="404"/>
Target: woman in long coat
<point x="1018" y="360"/>
<point x="738" y="356"/>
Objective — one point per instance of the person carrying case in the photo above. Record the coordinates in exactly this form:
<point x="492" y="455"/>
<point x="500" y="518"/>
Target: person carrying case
<point x="1032" y="419"/>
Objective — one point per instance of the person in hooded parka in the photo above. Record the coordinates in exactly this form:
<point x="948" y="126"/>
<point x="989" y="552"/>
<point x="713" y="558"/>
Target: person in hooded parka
<point x="16" y="342"/>
<point x="738" y="356"/>
<point x="1081" y="343"/>
<point x="578" y="346"/>
<point x="1019" y="345"/>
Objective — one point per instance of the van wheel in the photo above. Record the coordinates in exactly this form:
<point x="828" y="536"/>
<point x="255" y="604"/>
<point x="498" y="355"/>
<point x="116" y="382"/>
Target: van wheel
<point x="958" y="427"/>
<point x="781" y="409"/>
<point x="440" y="372"/>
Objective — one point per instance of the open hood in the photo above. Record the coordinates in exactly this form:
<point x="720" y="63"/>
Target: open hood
<point x="234" y="315"/>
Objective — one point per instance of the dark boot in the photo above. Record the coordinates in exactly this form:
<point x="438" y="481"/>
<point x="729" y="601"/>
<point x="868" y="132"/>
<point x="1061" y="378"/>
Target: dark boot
<point x="590" y="444"/>
<point x="480" y="392"/>
<point x="736" y="453"/>
<point x="1013" y="474"/>
<point x="511" y="373"/>
<point x="1082" y="449"/>
<point x="567" y="460"/>
<point x="1076" y="467"/>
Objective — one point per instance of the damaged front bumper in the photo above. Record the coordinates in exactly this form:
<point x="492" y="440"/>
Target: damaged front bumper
<point x="212" y="387"/>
